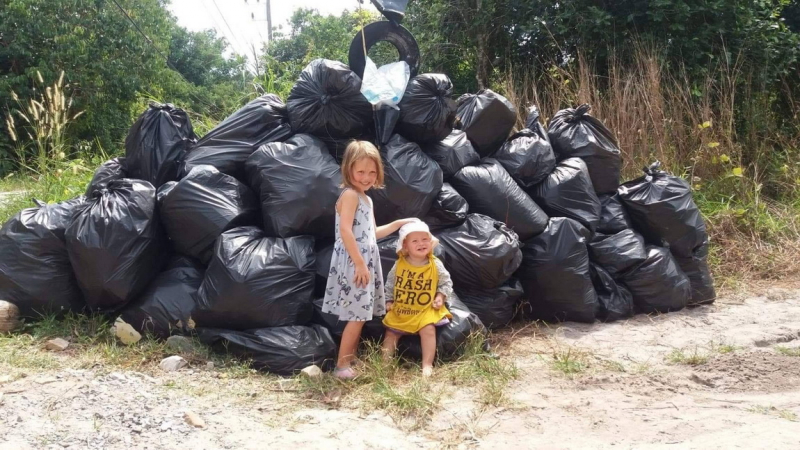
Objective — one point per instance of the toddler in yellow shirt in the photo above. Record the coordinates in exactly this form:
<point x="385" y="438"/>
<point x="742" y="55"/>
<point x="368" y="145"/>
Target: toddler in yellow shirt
<point x="416" y="289"/>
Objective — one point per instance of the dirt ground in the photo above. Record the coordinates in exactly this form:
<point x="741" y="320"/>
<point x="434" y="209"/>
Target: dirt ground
<point x="715" y="377"/>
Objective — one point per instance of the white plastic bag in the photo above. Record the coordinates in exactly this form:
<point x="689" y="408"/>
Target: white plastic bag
<point x="385" y="85"/>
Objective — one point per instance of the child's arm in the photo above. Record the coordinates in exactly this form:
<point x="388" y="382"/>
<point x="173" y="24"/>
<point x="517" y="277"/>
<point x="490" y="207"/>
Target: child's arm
<point x="347" y="211"/>
<point x="388" y="287"/>
<point x="385" y="230"/>
<point x="444" y="288"/>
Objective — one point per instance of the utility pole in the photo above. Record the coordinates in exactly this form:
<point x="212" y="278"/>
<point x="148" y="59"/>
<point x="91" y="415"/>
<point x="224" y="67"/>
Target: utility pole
<point x="269" y="22"/>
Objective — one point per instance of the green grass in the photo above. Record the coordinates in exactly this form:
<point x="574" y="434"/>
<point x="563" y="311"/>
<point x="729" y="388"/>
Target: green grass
<point x="569" y="361"/>
<point x="689" y="358"/>
<point x="52" y="187"/>
<point x="486" y="372"/>
<point x="93" y="344"/>
<point x="391" y="386"/>
<point x="15" y="182"/>
<point x="773" y="411"/>
<point x="788" y="351"/>
<point x="753" y="237"/>
<point x="397" y="387"/>
<point x="722" y="347"/>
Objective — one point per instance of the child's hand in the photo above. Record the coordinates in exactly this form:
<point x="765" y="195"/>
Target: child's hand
<point x="401" y="222"/>
<point x="362" y="275"/>
<point x="438" y="301"/>
<point x="389" y="306"/>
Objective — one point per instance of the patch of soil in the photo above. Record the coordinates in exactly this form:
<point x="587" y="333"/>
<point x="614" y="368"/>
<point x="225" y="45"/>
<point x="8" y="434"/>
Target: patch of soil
<point x="752" y="371"/>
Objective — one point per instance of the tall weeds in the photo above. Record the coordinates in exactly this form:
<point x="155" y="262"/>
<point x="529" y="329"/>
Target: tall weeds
<point x="721" y="134"/>
<point x="55" y="168"/>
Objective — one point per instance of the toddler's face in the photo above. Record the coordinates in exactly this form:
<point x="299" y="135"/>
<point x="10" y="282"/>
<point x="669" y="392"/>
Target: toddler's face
<point x="363" y="174"/>
<point x="418" y="244"/>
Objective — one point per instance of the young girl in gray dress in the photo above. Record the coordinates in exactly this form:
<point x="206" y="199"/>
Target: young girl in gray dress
<point x="355" y="289"/>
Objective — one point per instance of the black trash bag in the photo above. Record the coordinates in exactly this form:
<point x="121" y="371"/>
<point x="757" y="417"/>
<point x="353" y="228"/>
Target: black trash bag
<point x="449" y="209"/>
<point x="618" y="253"/>
<point x="658" y="284"/>
<point x="373" y="329"/>
<point x="167" y="187"/>
<point x="574" y="133"/>
<point x="35" y="272"/>
<point x="202" y="206"/>
<point x="452" y="153"/>
<point x="387" y="247"/>
<point x="116" y="244"/>
<point x="495" y="307"/>
<point x="555" y="273"/>
<point x="527" y="155"/>
<point x="279" y="350"/>
<point x="255" y="281"/>
<point x="615" y="301"/>
<point x="613" y="217"/>
<point x="413" y="181"/>
<point x="230" y="143"/>
<point x="427" y="110"/>
<point x="568" y="192"/>
<point x="327" y="101"/>
<point x="113" y="169"/>
<point x="165" y="307"/>
<point x="491" y="191"/>
<point x="298" y="183"/>
<point x="481" y="253"/>
<point x="696" y="269"/>
<point x="661" y="207"/>
<point x="323" y="251"/>
<point x="337" y="147"/>
<point x="394" y="10"/>
<point x="157" y="142"/>
<point x="464" y="329"/>
<point x="386" y="118"/>
<point x="487" y="118"/>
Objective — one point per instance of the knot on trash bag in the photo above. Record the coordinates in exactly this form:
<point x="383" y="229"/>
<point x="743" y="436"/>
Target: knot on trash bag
<point x="580" y="111"/>
<point x="533" y="114"/>
<point x="163" y="106"/>
<point x="653" y="169"/>
<point x="325" y="99"/>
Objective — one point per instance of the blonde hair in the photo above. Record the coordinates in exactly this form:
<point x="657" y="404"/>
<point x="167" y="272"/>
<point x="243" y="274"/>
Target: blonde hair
<point x="356" y="151"/>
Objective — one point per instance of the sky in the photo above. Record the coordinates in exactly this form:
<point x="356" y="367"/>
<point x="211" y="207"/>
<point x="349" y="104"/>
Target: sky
<point x="242" y="30"/>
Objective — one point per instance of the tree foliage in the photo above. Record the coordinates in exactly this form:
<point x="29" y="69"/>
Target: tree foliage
<point x="481" y="36"/>
<point x="109" y="65"/>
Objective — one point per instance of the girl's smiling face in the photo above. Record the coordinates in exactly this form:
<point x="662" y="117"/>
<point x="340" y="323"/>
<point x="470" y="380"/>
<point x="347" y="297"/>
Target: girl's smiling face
<point x="363" y="174"/>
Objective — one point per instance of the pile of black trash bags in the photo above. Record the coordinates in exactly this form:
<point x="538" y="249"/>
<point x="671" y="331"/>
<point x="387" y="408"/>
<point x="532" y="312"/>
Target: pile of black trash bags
<point x="229" y="236"/>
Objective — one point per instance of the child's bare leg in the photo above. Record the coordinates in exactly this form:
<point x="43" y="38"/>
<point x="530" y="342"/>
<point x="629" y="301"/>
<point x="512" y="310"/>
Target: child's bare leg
<point x="389" y="344"/>
<point x="427" y="336"/>
<point x="347" y="348"/>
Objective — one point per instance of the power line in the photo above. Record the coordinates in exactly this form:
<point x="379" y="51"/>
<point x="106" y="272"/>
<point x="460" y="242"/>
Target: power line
<point x="144" y="35"/>
<point x="217" y="26"/>
<point x="235" y="37"/>
<point x="166" y="59"/>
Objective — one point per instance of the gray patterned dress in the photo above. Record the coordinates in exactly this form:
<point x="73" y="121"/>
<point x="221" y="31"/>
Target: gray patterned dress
<point x="342" y="296"/>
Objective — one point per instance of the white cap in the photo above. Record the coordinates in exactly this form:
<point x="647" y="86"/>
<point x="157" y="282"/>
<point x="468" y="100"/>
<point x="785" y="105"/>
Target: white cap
<point x="414" y="227"/>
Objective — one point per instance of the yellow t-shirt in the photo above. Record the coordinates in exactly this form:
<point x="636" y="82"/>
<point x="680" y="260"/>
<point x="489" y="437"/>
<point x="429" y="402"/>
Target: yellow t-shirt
<point x="414" y="291"/>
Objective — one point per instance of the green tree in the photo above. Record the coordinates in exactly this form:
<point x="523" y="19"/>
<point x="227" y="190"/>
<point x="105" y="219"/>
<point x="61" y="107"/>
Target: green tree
<point x="485" y="36"/>
<point x="110" y="66"/>
<point x="106" y="61"/>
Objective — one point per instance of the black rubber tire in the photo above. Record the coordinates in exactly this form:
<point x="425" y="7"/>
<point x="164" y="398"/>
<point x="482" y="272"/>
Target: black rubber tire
<point x="397" y="35"/>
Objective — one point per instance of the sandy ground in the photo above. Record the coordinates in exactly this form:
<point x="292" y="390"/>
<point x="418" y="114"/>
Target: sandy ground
<point x="631" y="391"/>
